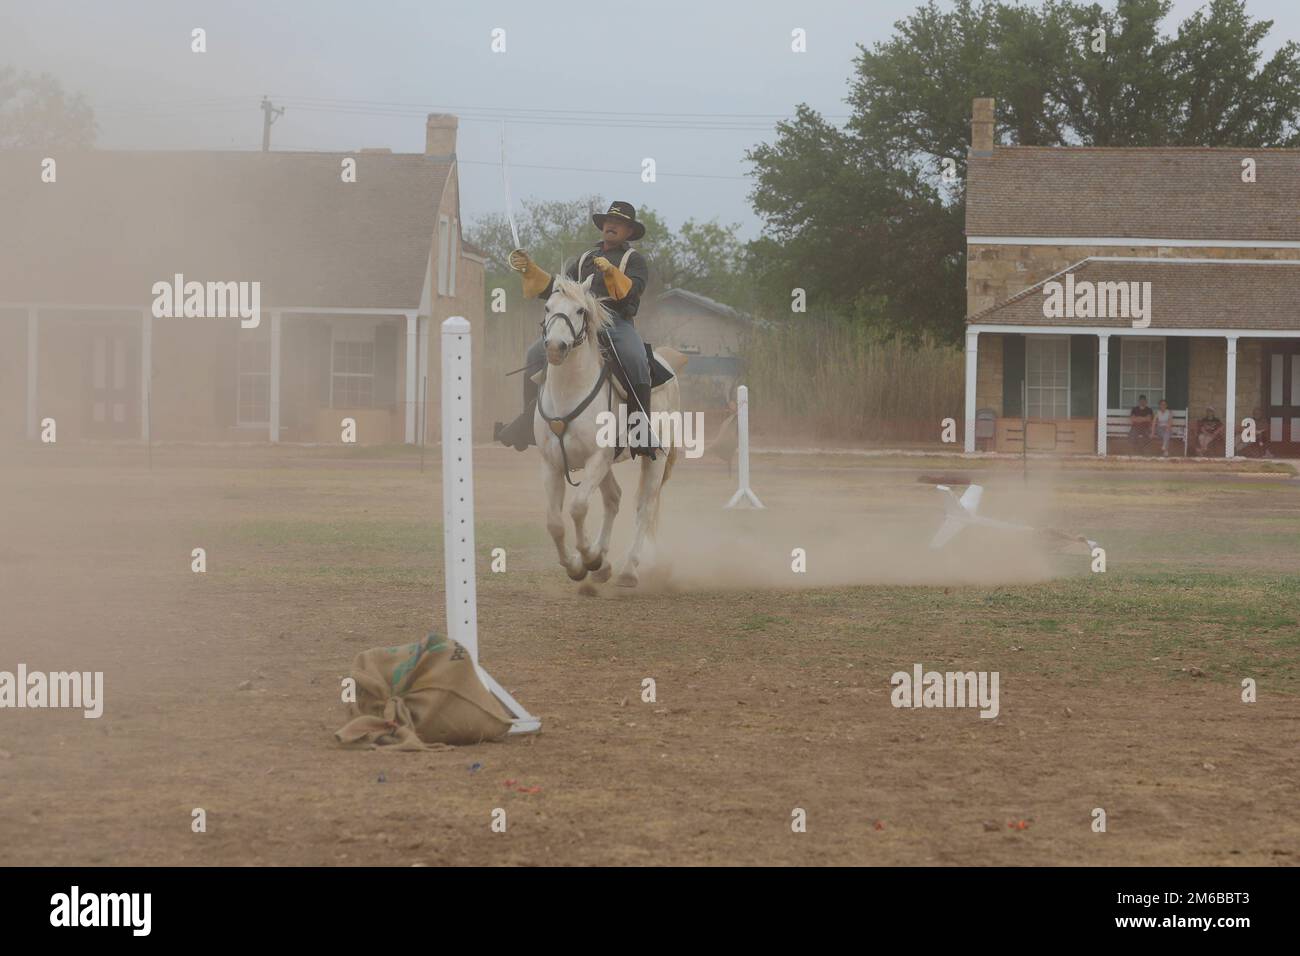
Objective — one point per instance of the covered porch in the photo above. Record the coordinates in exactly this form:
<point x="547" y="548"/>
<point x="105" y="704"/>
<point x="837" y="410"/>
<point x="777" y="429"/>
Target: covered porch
<point x="1219" y="339"/>
<point x="111" y="372"/>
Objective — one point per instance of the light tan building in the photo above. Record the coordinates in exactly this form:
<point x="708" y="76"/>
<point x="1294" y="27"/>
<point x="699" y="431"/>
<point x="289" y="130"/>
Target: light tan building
<point x="709" y="332"/>
<point x="1066" y="246"/>
<point x="353" y="280"/>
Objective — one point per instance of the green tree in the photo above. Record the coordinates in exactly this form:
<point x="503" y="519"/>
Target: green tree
<point x="36" y="114"/>
<point x="861" y="216"/>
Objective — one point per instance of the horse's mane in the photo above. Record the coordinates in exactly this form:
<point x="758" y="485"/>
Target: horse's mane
<point x="598" y="316"/>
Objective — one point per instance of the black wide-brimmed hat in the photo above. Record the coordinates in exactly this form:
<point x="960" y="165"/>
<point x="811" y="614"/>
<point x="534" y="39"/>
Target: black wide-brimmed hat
<point x="624" y="211"/>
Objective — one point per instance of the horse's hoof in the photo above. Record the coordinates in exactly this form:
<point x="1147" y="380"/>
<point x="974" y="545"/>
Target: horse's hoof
<point x="577" y="575"/>
<point x="593" y="563"/>
<point x="626" y="580"/>
<point x="601" y="574"/>
<point x="587" y="589"/>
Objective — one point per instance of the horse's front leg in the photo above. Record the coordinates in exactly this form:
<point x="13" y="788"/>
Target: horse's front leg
<point x="553" y="480"/>
<point x="611" y="495"/>
<point x="595" y="469"/>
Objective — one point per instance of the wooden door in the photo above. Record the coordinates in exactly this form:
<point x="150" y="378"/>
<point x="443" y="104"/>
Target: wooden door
<point x="112" y="370"/>
<point x="1282" y="390"/>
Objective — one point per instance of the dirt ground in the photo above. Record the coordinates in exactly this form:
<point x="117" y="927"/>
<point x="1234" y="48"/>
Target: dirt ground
<point x="1119" y="690"/>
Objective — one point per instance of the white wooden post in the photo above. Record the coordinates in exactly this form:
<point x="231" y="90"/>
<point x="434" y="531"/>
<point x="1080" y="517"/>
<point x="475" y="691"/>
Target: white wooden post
<point x="275" y="376"/>
<point x="412" y="351"/>
<point x="146" y="372"/>
<point x="459" y="553"/>
<point x="1230" y="404"/>
<point x="972" y="376"/>
<point x="1103" y="387"/>
<point x="744" y="493"/>
<point x="33" y="356"/>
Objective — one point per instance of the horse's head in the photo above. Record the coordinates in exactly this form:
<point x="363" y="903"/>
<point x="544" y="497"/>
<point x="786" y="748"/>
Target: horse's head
<point x="573" y="317"/>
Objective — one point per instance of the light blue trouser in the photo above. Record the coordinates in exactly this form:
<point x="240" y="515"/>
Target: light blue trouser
<point x="627" y="343"/>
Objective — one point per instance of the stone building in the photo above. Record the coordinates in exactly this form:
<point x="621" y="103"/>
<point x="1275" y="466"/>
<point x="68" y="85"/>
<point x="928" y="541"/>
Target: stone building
<point x="354" y="278"/>
<point x="1095" y="275"/>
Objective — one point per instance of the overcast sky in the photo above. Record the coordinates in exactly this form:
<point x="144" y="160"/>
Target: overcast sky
<point x="696" y="83"/>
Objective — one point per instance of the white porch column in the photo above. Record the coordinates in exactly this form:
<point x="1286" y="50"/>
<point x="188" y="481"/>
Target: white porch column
<point x="32" y="355"/>
<point x="412" y="351"/>
<point x="275" y="376"/>
<point x="972" y="370"/>
<point x="1230" y="404"/>
<point x="1103" y="387"/>
<point x="422" y="376"/>
<point x="146" y="373"/>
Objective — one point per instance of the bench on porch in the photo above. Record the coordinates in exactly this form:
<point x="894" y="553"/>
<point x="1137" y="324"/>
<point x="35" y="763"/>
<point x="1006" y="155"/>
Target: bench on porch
<point x="1067" y="436"/>
<point x="1118" y="425"/>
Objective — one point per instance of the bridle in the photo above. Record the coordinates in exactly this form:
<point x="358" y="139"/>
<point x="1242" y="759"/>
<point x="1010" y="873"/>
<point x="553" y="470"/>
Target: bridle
<point x="560" y="423"/>
<point x="578" y="335"/>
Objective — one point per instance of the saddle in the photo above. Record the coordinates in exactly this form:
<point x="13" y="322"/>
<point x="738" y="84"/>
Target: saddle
<point x="665" y="365"/>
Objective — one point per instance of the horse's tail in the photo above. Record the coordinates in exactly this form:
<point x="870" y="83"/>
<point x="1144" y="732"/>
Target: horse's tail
<point x="673" y="452"/>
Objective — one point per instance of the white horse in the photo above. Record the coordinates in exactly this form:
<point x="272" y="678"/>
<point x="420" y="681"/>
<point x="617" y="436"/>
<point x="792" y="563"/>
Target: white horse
<point x="568" y="441"/>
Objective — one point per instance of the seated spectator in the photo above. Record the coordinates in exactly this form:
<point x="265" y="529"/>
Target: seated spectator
<point x="1164" y="427"/>
<point x="1142" y="425"/>
<point x="1209" y="429"/>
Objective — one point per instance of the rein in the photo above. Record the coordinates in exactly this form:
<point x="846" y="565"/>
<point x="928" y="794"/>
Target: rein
<point x="559" y="423"/>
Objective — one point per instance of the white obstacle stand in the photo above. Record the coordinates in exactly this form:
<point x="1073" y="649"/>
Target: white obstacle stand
<point x="744" y="493"/>
<point x="458" y="511"/>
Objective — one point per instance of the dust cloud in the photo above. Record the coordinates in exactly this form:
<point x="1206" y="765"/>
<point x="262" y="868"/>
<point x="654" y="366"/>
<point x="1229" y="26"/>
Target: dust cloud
<point x="881" y="538"/>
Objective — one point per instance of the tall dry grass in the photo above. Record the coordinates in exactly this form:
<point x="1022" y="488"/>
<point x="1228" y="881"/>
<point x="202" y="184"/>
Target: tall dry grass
<point x="825" y="378"/>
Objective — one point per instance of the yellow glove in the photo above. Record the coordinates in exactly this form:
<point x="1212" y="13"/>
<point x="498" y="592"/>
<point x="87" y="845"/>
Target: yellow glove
<point x="616" y="283"/>
<point x="535" y="280"/>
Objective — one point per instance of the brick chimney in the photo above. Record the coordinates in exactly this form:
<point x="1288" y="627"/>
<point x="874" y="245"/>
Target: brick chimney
<point x="440" y="134"/>
<point x="981" y="126"/>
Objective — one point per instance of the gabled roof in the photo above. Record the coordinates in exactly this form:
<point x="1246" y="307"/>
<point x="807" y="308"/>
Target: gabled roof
<point x="1185" y="294"/>
<point x="114" y="223"/>
<point x="1139" y="193"/>
<point x="703" y="302"/>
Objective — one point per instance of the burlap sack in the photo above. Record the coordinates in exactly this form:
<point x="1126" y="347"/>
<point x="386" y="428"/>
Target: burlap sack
<point x="419" y="694"/>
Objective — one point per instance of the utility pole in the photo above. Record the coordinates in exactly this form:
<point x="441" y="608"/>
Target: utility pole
<point x="269" y="115"/>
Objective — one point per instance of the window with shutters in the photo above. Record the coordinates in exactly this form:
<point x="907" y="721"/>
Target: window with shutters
<point x="1141" y="370"/>
<point x="444" y="241"/>
<point x="453" y="256"/>
<point x="1047" y="376"/>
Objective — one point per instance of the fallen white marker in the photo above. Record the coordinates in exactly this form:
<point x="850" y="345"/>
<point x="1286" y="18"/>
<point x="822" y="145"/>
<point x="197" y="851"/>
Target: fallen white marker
<point x="744" y="493"/>
<point x="963" y="512"/>
<point x="458" y="511"/>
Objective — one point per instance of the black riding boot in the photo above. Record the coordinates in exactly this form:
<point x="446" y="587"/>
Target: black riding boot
<point x="519" y="433"/>
<point x="642" y="401"/>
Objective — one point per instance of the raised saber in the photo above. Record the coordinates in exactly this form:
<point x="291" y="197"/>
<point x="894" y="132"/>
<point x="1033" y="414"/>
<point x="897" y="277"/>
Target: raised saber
<point x="505" y="182"/>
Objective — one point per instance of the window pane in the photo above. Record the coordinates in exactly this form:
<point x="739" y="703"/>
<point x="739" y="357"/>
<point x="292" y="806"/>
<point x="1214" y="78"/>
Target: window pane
<point x="1142" y="371"/>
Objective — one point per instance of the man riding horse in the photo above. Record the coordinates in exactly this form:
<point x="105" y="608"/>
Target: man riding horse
<point x="619" y="275"/>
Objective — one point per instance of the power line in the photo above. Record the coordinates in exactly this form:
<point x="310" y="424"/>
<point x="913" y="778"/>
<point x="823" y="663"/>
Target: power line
<point x="552" y="110"/>
<point x="744" y="122"/>
<point x="575" y="169"/>
<point x="513" y="165"/>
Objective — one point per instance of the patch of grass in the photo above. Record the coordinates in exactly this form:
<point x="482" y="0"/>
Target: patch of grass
<point x="759" y="622"/>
